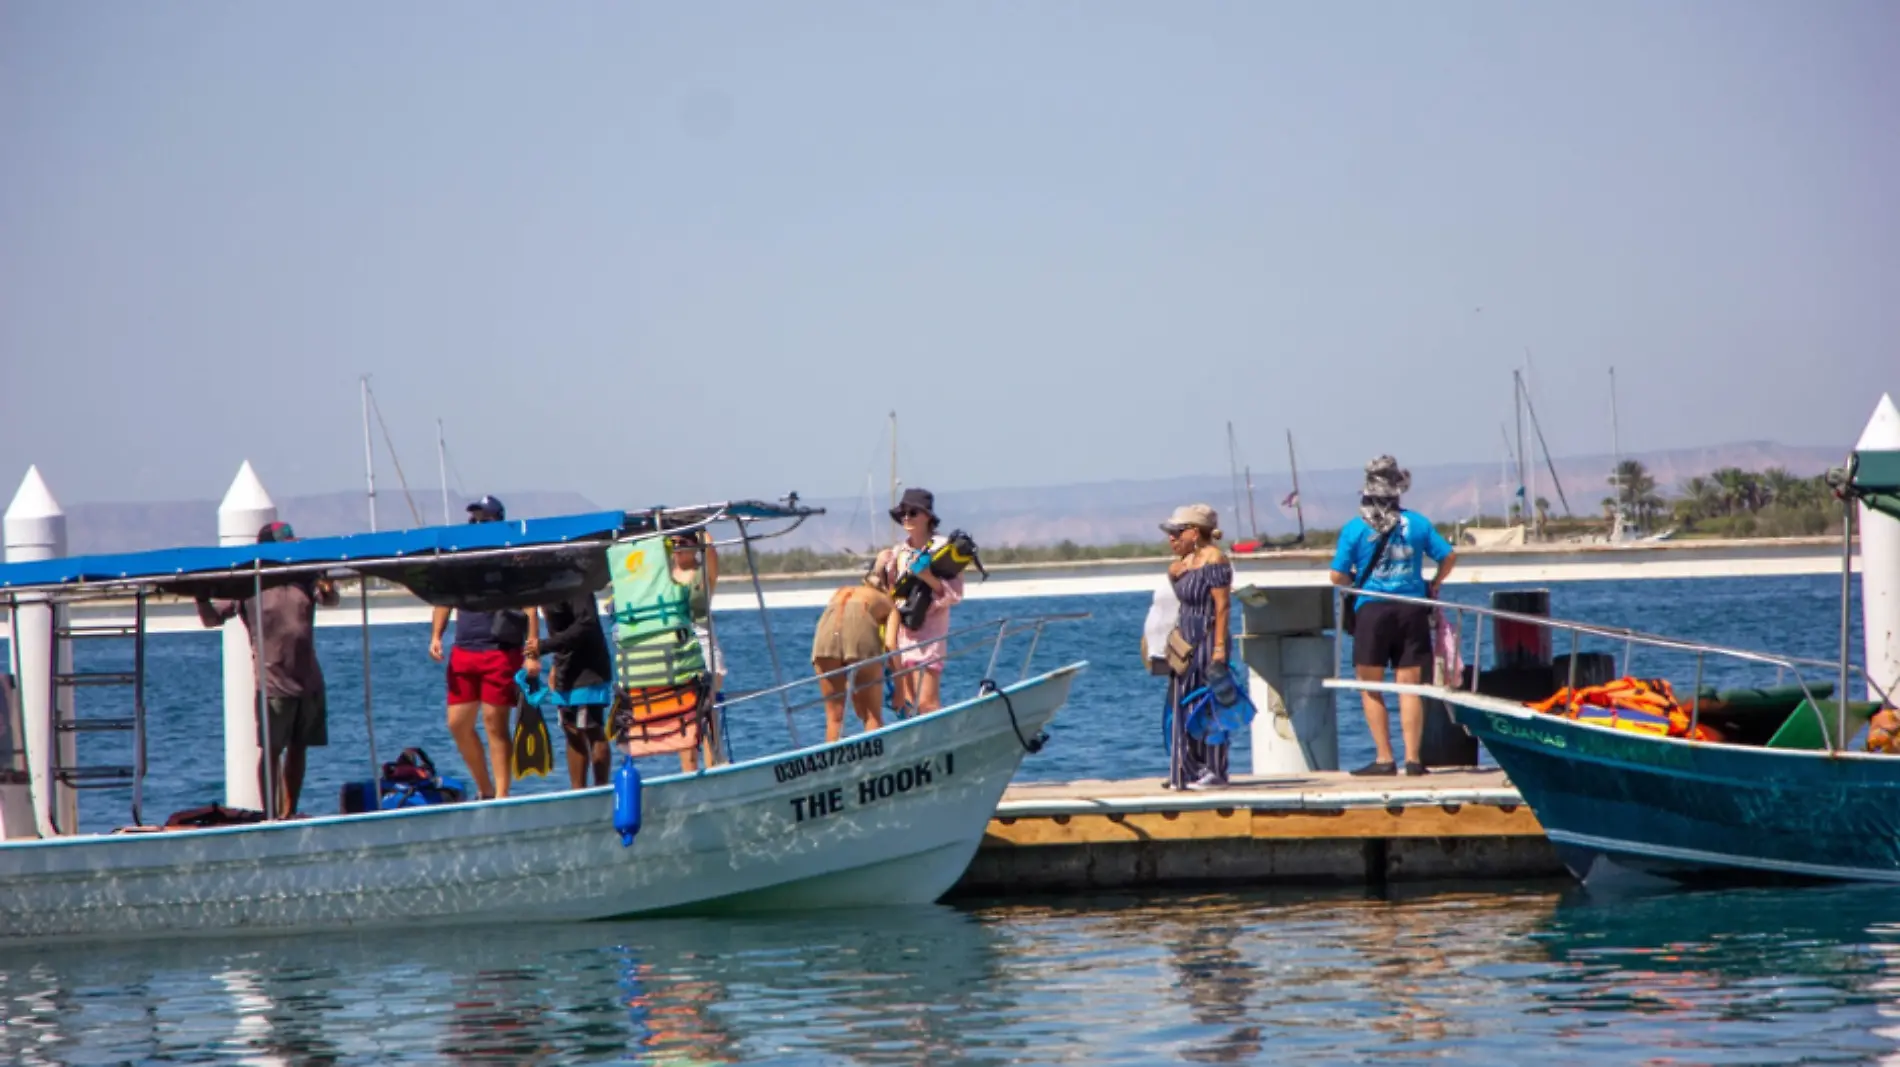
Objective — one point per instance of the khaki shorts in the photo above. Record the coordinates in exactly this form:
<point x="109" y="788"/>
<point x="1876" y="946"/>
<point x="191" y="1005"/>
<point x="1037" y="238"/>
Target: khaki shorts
<point x="848" y="633"/>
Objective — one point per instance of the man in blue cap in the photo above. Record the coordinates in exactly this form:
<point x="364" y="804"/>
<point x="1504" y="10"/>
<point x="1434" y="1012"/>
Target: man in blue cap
<point x="489" y="648"/>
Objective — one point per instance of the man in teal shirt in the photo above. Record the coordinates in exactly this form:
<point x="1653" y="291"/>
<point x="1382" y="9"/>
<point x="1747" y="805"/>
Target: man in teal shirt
<point x="1382" y="550"/>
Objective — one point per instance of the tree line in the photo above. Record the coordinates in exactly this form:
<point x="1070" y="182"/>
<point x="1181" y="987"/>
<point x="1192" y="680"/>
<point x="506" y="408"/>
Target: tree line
<point x="1730" y="502"/>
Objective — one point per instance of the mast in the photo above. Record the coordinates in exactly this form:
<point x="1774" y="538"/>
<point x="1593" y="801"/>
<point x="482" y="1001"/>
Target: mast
<point x="442" y="469"/>
<point x="1616" y="449"/>
<point x="1233" y="473"/>
<point x="1504" y="478"/>
<point x="1253" y="521"/>
<point x="1523" y="499"/>
<point x="1537" y="428"/>
<point x="1299" y="506"/>
<point x="369" y="455"/>
<point x="893" y="461"/>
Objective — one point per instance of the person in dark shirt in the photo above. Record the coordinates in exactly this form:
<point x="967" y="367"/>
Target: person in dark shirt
<point x="581" y="670"/>
<point x="293" y="680"/>
<point x="489" y="648"/>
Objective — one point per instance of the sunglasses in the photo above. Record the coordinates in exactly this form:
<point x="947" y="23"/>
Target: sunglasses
<point x="912" y="513"/>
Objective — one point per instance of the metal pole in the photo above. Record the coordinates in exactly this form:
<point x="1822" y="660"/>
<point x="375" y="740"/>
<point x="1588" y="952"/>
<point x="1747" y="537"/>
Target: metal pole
<point x="1847" y="592"/>
<point x="1695" y="705"/>
<point x="717" y="744"/>
<point x="996" y="649"/>
<point x="138" y="710"/>
<point x="263" y="700"/>
<point x="1573" y="662"/>
<point x="369" y="717"/>
<point x="369" y="456"/>
<point x="765" y="621"/>
<point x="1233" y="473"/>
<point x="1035" y="638"/>
<point x="1616" y="446"/>
<point x="442" y="469"/>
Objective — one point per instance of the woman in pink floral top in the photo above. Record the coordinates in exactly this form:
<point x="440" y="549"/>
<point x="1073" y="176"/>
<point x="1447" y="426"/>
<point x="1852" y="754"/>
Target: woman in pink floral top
<point x="920" y="680"/>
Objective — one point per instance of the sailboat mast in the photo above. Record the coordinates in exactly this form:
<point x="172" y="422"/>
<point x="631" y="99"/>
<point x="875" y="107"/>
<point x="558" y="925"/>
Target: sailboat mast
<point x="1517" y="404"/>
<point x="1299" y="506"/>
<point x="1504" y="477"/>
<point x="442" y="469"/>
<point x="1233" y="471"/>
<point x="1616" y="446"/>
<point x="369" y="454"/>
<point x="893" y="461"/>
<point x="1253" y="521"/>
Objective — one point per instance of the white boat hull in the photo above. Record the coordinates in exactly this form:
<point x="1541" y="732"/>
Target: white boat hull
<point x="890" y="817"/>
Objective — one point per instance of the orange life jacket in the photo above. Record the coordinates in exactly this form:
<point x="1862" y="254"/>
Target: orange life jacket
<point x="1643" y="705"/>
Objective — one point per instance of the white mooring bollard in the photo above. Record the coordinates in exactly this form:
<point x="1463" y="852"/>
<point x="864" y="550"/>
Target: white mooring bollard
<point x="36" y="530"/>
<point x="1880" y="565"/>
<point x="245" y="510"/>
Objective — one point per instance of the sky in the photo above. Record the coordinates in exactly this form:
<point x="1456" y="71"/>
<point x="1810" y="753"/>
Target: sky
<point x="669" y="252"/>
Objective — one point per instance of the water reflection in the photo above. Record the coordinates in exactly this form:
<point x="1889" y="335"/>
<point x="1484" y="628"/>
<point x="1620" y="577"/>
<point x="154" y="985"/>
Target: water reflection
<point x="1473" y="977"/>
<point x="1219" y="984"/>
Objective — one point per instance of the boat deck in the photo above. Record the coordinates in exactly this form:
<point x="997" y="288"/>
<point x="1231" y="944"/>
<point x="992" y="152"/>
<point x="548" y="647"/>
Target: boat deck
<point x="1319" y="828"/>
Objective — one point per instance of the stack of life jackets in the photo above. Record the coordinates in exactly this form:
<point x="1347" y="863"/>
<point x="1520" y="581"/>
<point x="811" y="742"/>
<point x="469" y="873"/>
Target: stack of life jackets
<point x="659" y="666"/>
<point x="1640" y="705"/>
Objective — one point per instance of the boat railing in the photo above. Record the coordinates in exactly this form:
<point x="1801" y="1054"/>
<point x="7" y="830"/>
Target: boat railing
<point x="964" y="643"/>
<point x="1786" y="667"/>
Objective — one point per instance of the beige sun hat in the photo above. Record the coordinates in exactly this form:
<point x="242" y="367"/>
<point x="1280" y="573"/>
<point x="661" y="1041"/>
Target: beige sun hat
<point x="1192" y="515"/>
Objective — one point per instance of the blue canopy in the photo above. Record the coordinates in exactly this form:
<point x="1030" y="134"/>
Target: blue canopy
<point x="187" y="566"/>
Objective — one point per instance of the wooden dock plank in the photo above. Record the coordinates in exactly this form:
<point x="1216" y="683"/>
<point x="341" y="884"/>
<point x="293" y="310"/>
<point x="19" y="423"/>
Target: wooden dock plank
<point x="1317" y="828"/>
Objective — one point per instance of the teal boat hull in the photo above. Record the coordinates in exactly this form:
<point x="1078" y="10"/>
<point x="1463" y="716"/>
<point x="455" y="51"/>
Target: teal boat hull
<point x="1620" y="805"/>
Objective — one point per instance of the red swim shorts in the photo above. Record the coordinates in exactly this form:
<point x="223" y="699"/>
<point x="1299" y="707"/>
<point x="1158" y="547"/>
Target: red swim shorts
<point x="486" y="676"/>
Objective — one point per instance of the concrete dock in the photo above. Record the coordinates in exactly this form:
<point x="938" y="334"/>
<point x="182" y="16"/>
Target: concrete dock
<point x="1323" y="828"/>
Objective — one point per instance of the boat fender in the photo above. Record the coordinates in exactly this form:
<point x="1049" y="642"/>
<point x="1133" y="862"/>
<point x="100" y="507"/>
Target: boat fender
<point x="626" y="801"/>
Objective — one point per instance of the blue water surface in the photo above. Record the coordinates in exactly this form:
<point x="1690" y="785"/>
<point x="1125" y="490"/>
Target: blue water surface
<point x="1435" y="973"/>
<point x="1110" y="729"/>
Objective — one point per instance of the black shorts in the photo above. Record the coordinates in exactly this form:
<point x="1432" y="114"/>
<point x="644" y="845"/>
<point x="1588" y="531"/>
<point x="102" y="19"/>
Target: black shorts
<point x="1389" y="634"/>
<point x="302" y="721"/>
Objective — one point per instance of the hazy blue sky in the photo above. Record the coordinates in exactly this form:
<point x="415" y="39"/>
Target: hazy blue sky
<point x="659" y="252"/>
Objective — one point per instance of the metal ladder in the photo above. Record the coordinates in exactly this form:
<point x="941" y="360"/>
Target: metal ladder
<point x="99" y="776"/>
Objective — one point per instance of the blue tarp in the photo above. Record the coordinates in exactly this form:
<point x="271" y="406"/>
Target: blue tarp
<point x="182" y="563"/>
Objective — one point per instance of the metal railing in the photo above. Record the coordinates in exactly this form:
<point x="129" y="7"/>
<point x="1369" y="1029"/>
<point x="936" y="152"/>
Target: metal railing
<point x="1785" y="666"/>
<point x="961" y="643"/>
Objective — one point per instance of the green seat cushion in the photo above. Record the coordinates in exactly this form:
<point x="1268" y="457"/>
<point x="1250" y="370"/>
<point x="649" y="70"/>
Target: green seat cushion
<point x="1804" y="731"/>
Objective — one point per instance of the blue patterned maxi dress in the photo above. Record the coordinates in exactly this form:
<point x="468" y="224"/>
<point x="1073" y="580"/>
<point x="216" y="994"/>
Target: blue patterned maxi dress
<point x="1189" y="759"/>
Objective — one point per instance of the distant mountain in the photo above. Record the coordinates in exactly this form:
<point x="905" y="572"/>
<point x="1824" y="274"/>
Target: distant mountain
<point x="123" y="527"/>
<point x="1086" y="513"/>
<point x="1123" y="511"/>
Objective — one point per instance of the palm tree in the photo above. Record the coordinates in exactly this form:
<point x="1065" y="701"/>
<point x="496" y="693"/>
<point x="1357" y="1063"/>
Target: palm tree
<point x="1737" y="489"/>
<point x="1632" y="481"/>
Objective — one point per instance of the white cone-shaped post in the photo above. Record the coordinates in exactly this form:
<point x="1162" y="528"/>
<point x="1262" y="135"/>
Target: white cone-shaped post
<point x="36" y="530"/>
<point x="245" y="510"/>
<point x="1880" y="564"/>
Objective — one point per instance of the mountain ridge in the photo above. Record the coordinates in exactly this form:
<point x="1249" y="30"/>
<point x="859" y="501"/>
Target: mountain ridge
<point x="1103" y="512"/>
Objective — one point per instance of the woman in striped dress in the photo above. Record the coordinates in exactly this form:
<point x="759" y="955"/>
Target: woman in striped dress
<point x="1203" y="581"/>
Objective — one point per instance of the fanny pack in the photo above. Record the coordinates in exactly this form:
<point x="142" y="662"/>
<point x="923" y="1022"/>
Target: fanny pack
<point x="1180" y="652"/>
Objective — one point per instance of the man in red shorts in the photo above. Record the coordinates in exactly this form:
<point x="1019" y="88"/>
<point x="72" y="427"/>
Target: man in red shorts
<point x="488" y="650"/>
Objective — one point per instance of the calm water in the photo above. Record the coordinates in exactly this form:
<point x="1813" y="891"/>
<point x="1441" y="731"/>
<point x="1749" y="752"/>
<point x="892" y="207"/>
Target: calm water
<point x="1473" y="977"/>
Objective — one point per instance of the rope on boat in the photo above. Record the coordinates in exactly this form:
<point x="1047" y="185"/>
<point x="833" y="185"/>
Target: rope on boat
<point x="1030" y="745"/>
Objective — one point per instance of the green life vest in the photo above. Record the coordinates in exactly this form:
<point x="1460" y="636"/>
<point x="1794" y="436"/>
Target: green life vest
<point x="653" y="620"/>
